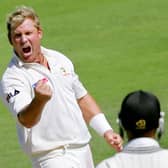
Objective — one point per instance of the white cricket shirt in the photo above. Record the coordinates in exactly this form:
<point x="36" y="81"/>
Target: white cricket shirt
<point x="61" y="122"/>
<point x="138" y="153"/>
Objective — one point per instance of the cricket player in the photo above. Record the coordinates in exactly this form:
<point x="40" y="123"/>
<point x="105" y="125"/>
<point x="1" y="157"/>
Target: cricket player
<point x="141" y="118"/>
<point x="50" y="105"/>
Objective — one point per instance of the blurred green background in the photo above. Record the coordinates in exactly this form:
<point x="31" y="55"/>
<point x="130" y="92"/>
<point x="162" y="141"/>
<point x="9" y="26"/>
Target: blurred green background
<point x="117" y="46"/>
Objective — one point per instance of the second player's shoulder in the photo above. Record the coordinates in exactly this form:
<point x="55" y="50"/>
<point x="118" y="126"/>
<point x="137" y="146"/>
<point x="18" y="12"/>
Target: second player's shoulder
<point x="111" y="162"/>
<point x="163" y="153"/>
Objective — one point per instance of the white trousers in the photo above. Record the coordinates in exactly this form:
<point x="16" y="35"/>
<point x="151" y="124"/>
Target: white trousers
<point x="65" y="158"/>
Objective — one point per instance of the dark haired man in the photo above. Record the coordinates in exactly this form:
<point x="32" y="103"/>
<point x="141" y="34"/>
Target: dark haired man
<point x="141" y="118"/>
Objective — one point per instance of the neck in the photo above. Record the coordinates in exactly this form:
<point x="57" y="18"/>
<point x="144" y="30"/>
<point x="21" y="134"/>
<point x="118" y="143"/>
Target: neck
<point x="149" y="134"/>
<point x="43" y="61"/>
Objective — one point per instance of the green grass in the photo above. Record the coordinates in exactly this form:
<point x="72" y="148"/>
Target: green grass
<point x="117" y="46"/>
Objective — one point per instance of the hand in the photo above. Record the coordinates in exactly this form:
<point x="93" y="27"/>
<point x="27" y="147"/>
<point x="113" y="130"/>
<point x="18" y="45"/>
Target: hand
<point x="42" y="90"/>
<point x="114" y="140"/>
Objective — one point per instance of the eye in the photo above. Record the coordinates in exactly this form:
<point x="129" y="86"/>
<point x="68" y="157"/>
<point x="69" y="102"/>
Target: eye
<point x="17" y="35"/>
<point x="28" y="33"/>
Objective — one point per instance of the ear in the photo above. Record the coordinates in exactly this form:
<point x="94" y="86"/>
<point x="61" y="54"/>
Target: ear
<point x="121" y="129"/>
<point x="40" y="32"/>
<point x="160" y="129"/>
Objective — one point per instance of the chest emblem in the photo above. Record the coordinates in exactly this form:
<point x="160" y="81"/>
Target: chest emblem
<point x="64" y="72"/>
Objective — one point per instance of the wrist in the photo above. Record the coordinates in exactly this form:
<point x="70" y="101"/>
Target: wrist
<point x="100" y="124"/>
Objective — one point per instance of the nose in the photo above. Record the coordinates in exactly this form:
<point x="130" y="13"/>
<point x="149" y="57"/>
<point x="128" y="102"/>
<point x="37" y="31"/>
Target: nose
<point x="23" y="38"/>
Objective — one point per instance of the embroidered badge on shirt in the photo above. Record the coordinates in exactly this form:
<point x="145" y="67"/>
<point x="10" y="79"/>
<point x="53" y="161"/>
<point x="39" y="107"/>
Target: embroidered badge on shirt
<point x="12" y="94"/>
<point x="64" y="72"/>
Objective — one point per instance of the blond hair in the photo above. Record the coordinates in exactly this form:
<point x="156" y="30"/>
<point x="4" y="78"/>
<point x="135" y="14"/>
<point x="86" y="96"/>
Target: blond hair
<point x="17" y="17"/>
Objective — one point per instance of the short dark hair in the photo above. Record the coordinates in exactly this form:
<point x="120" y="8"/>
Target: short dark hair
<point x="140" y="112"/>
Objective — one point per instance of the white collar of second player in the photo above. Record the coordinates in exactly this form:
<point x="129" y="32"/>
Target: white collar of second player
<point x="141" y="144"/>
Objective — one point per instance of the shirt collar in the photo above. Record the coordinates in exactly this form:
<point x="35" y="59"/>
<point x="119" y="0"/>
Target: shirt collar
<point x="142" y="142"/>
<point x="141" y="145"/>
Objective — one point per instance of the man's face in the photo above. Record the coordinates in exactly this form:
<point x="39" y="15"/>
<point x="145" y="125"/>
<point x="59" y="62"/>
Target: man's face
<point x="26" y="40"/>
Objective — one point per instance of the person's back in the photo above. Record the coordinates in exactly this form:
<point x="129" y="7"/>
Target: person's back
<point x="139" y="116"/>
<point x="139" y="157"/>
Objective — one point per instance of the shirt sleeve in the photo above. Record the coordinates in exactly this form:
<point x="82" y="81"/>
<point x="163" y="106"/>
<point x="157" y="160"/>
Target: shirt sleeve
<point x="15" y="94"/>
<point x="78" y="87"/>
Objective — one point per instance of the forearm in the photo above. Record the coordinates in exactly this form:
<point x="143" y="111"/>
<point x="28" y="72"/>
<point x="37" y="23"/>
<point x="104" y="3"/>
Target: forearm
<point x="93" y="115"/>
<point x="88" y="107"/>
<point x="96" y="119"/>
<point x="31" y="114"/>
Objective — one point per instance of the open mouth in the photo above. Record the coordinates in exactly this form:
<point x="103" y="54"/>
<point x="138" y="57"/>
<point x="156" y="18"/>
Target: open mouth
<point x="26" y="50"/>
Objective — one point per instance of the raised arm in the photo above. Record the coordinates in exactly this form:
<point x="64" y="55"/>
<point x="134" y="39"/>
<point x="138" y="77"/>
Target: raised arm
<point x="96" y="119"/>
<point x="31" y="114"/>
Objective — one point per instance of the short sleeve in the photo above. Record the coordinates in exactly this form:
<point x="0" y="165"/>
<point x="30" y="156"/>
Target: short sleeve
<point x="15" y="94"/>
<point x="78" y="87"/>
